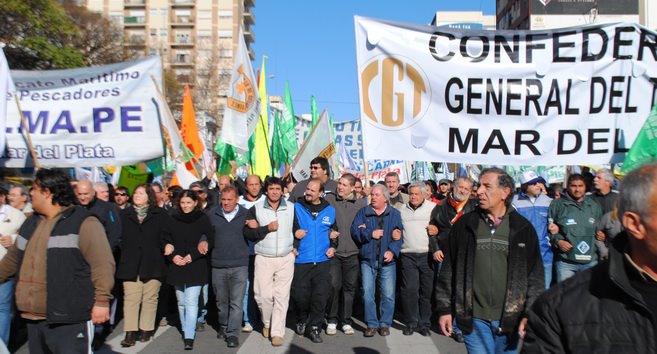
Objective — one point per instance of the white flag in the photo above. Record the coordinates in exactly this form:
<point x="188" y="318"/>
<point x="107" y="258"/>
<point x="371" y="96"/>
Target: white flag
<point x="6" y="86"/>
<point x="243" y="108"/>
<point x="318" y="143"/>
<point x="346" y="161"/>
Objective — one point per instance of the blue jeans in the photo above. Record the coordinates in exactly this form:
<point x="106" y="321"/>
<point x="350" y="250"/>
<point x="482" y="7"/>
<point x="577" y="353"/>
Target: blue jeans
<point x="547" y="267"/>
<point x="484" y="339"/>
<point x="6" y="302"/>
<point x="204" y="302"/>
<point x="566" y="270"/>
<point x="188" y="308"/>
<point x="386" y="277"/>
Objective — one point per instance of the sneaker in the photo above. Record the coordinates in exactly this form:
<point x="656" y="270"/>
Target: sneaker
<point x="200" y="326"/>
<point x="300" y="328"/>
<point x="265" y="332"/>
<point x="164" y="322"/>
<point x="332" y="329"/>
<point x="314" y="335"/>
<point x="276" y="341"/>
<point x="247" y="328"/>
<point x="347" y="329"/>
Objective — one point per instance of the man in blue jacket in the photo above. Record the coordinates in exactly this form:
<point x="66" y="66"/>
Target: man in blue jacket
<point x="315" y="243"/>
<point x="534" y="205"/>
<point x="377" y="230"/>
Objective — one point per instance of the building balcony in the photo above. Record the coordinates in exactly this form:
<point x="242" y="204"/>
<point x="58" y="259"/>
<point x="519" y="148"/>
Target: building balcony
<point x="182" y="21"/>
<point x="249" y="4"/>
<point x="134" y="21"/>
<point x="135" y="43"/>
<point x="182" y="3"/>
<point x="134" y="4"/>
<point x="181" y="63"/>
<point x="249" y="18"/>
<point x="251" y="54"/>
<point x="182" y="43"/>
<point x="249" y="37"/>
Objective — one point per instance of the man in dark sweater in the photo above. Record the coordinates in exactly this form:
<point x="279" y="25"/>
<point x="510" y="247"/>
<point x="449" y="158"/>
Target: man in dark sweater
<point x="492" y="271"/>
<point x="230" y="264"/>
<point x="613" y="306"/>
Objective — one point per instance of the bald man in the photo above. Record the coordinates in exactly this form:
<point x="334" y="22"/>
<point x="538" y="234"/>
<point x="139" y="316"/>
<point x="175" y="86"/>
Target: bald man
<point x="107" y="213"/>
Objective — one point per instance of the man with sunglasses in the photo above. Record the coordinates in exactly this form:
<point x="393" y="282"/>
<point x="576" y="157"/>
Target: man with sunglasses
<point x="319" y="168"/>
<point x="122" y="197"/>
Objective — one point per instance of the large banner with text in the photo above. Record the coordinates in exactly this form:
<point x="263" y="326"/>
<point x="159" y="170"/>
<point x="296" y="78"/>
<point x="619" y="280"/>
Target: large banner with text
<point x="97" y="116"/>
<point x="553" y="97"/>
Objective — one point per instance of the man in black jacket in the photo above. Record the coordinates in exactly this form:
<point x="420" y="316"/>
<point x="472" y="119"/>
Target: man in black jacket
<point x="612" y="307"/>
<point x="492" y="270"/>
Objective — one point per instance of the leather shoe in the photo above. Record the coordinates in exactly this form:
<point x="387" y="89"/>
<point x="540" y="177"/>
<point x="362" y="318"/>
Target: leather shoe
<point x="425" y="331"/>
<point x="232" y="341"/>
<point x="300" y="328"/>
<point x="145" y="336"/>
<point x="384" y="331"/>
<point x="458" y="337"/>
<point x="221" y="333"/>
<point x="314" y="335"/>
<point x="407" y="331"/>
<point x="130" y="339"/>
<point x="369" y="332"/>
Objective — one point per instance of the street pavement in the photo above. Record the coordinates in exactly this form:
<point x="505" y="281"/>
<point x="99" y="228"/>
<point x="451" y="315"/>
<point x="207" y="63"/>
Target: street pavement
<point x="167" y="339"/>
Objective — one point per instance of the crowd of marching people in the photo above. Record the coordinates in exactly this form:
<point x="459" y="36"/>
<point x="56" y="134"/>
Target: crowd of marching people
<point x="475" y="257"/>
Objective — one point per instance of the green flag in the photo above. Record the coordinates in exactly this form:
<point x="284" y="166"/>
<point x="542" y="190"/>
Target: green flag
<point x="287" y="128"/>
<point x="227" y="154"/>
<point x="278" y="155"/>
<point x="131" y="177"/>
<point x="313" y="112"/>
<point x="644" y="148"/>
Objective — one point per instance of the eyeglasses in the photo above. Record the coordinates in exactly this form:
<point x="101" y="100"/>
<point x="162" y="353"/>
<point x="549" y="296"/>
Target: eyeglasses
<point x="122" y="194"/>
<point x="198" y="191"/>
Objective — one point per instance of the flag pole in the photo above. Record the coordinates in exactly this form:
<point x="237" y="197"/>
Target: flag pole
<point x="26" y="129"/>
<point x="177" y="131"/>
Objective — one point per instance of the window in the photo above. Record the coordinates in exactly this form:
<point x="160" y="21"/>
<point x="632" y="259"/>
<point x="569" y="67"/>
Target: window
<point x="225" y="13"/>
<point x="225" y="33"/>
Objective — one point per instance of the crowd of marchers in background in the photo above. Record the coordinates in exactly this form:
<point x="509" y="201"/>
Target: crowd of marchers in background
<point x="536" y="269"/>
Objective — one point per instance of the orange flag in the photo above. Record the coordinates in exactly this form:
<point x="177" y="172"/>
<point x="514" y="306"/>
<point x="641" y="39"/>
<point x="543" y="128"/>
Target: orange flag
<point x="188" y="128"/>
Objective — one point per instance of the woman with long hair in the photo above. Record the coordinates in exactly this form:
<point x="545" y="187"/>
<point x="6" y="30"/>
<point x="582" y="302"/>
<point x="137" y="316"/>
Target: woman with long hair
<point x="141" y="266"/>
<point x="189" y="267"/>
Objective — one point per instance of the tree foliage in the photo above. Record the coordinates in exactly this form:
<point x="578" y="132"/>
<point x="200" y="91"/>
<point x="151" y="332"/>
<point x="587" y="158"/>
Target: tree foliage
<point x="38" y="35"/>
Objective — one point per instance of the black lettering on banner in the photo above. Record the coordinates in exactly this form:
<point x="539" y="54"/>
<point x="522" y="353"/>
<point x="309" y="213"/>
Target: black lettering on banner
<point x="569" y="110"/>
<point x="613" y="93"/>
<point x="597" y="81"/>
<point x="512" y="54"/>
<point x="496" y="134"/>
<point x="647" y="40"/>
<point x="593" y="140"/>
<point x="432" y="46"/>
<point x="473" y="95"/>
<point x="653" y="80"/>
<point x="510" y="95"/>
<point x="471" y="137"/>
<point x="618" y="137"/>
<point x="554" y="98"/>
<point x="587" y="54"/>
<point x="628" y="94"/>
<point x="492" y="96"/>
<point x="528" y="143"/>
<point x="530" y="46"/>
<point x="557" y="45"/>
<point x="459" y="98"/>
<point x="561" y="138"/>
<point x="484" y="50"/>
<point x="618" y="42"/>
<point x="534" y="97"/>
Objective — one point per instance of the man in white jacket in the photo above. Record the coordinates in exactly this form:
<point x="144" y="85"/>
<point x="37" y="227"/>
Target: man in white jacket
<point x="11" y="220"/>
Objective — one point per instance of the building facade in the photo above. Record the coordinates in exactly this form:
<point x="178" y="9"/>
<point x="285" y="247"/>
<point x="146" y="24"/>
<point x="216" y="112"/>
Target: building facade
<point x="546" y="14"/>
<point x="195" y="38"/>
<point x="475" y="20"/>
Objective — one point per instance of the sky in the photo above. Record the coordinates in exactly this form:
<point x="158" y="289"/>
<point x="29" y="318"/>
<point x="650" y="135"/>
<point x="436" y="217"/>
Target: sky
<point x="311" y="45"/>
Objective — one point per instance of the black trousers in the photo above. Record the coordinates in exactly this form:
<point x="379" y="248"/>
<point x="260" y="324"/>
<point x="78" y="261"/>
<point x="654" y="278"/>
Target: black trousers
<point x="417" y="284"/>
<point x="311" y="288"/>
<point x="344" y="279"/>
<point x="63" y="338"/>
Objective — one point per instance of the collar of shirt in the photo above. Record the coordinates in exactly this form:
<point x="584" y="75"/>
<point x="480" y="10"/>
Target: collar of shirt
<point x="230" y="216"/>
<point x="642" y="273"/>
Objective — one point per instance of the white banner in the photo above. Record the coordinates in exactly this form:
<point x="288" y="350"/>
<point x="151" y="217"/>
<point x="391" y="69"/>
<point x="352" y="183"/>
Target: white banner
<point x="243" y="108"/>
<point x="6" y="86"/>
<point x="97" y="116"/>
<point x="318" y="143"/>
<point x="572" y="95"/>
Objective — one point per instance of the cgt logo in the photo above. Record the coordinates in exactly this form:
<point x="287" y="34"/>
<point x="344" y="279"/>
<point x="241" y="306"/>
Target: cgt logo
<point x="395" y="93"/>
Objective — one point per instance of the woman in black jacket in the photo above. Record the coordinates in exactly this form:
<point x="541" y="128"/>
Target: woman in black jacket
<point x="189" y="270"/>
<point x="141" y="266"/>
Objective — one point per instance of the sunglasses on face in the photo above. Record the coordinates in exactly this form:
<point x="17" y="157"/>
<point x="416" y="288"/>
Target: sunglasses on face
<point x="122" y="194"/>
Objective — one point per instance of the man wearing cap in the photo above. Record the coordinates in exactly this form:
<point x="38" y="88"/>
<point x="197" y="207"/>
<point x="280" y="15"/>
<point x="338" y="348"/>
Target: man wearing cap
<point x="534" y="205"/>
<point x="444" y="187"/>
<point x="572" y="222"/>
